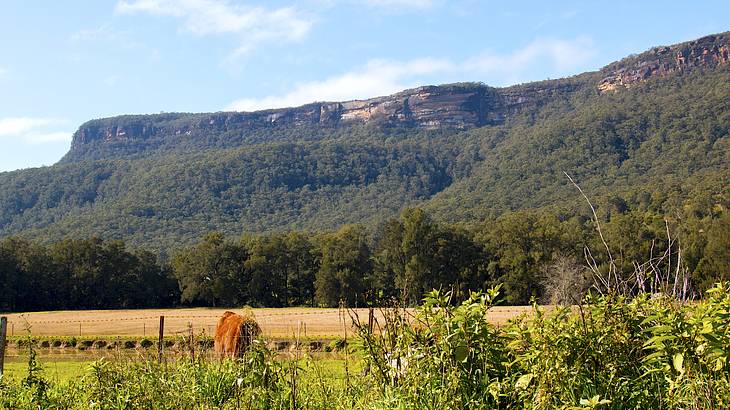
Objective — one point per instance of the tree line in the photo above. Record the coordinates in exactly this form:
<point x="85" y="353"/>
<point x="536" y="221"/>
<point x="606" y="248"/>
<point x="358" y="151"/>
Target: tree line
<point x="530" y="253"/>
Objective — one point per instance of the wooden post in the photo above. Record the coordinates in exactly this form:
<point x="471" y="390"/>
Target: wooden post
<point x="3" y="331"/>
<point x="192" y="341"/>
<point x="79" y="329"/>
<point x="160" y="341"/>
<point x="371" y="316"/>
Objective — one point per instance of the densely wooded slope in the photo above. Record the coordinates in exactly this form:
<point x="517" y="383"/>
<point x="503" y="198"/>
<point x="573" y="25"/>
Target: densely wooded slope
<point x="464" y="152"/>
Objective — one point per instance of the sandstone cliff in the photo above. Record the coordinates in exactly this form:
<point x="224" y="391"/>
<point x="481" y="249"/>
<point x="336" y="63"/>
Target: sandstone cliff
<point x="454" y="106"/>
<point x="457" y="106"/>
<point x="706" y="52"/>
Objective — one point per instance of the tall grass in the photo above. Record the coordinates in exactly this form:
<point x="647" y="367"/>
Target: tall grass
<point x="609" y="353"/>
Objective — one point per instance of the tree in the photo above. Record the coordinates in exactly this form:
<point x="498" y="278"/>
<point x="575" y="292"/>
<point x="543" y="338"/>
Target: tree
<point x="715" y="264"/>
<point x="212" y="272"/>
<point x="344" y="267"/>
<point x="418" y="247"/>
<point x="389" y="261"/>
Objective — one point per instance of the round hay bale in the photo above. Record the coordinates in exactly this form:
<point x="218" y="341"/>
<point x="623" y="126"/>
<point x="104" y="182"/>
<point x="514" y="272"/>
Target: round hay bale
<point x="235" y="333"/>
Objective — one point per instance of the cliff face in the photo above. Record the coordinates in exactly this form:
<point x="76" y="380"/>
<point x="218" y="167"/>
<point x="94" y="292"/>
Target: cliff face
<point x="457" y="106"/>
<point x="706" y="52"/>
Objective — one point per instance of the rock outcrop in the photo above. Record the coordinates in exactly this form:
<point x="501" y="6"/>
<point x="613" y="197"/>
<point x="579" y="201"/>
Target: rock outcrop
<point x="706" y="52"/>
<point x="457" y="106"/>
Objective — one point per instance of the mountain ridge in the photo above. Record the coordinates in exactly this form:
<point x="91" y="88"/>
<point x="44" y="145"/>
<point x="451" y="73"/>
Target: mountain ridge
<point x="661" y="143"/>
<point x="456" y="106"/>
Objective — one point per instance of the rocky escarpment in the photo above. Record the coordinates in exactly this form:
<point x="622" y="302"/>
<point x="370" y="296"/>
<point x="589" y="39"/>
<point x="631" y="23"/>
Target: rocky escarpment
<point x="457" y="106"/>
<point x="454" y="106"/>
<point x="706" y="52"/>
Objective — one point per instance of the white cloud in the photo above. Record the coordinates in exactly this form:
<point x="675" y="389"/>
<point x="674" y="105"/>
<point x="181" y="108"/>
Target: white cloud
<point x="383" y="4"/>
<point x="378" y="77"/>
<point x="102" y="31"/>
<point x="21" y="125"/>
<point x="382" y="77"/>
<point x="61" y="136"/>
<point x="415" y="4"/>
<point x="34" y="129"/>
<point x="560" y="55"/>
<point x="252" y="25"/>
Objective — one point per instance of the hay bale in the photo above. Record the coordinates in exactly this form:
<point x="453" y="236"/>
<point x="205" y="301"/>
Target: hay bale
<point x="234" y="334"/>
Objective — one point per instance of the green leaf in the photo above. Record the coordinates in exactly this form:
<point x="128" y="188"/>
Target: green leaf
<point x="461" y="353"/>
<point x="678" y="361"/>
<point x="524" y="381"/>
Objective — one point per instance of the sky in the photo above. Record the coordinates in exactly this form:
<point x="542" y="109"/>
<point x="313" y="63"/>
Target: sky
<point x="65" y="62"/>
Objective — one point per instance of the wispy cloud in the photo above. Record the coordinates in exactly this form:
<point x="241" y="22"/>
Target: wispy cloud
<point x="382" y="77"/>
<point x="34" y="130"/>
<point x="559" y="55"/>
<point x="252" y="26"/>
<point x="378" y="77"/>
<point x="384" y="4"/>
<point x="103" y="31"/>
<point x="398" y="4"/>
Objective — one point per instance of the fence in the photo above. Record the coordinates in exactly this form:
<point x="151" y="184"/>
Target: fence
<point x="123" y="329"/>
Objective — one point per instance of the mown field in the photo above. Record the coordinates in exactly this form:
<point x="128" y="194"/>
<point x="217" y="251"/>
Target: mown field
<point x="279" y="323"/>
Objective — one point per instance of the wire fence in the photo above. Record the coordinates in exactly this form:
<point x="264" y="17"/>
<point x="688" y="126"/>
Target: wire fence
<point x="314" y="323"/>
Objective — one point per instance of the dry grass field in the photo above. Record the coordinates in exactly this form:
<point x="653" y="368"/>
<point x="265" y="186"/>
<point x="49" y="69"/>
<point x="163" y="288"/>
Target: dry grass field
<point x="275" y="322"/>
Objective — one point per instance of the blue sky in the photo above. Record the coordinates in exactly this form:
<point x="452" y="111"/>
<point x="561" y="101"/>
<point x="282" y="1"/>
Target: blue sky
<point x="65" y="62"/>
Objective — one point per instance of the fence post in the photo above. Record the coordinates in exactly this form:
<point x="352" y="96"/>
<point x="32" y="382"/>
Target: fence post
<point x="3" y="331"/>
<point x="160" y="341"/>
<point x="371" y="316"/>
<point x="192" y="341"/>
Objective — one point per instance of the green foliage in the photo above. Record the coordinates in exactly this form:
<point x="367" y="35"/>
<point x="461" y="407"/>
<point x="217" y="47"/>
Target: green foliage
<point x="344" y="267"/>
<point x="608" y="353"/>
<point x="530" y="253"/>
<point x="661" y="146"/>
<point x="78" y="274"/>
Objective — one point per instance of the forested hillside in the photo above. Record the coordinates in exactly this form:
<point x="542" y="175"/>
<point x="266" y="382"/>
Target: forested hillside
<point x="649" y="133"/>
